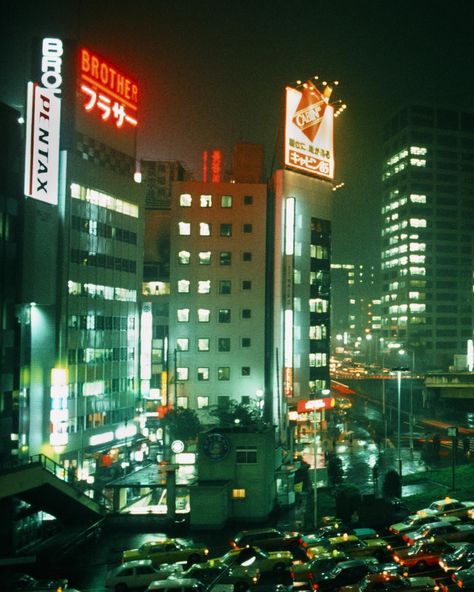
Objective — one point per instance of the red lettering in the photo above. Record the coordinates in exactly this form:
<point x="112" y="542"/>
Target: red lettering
<point x="85" y="60"/>
<point x="95" y="67"/>
<point x="120" y="84"/>
<point x="104" y="73"/>
<point x="127" y="88"/>
<point x="112" y="73"/>
<point x="135" y="93"/>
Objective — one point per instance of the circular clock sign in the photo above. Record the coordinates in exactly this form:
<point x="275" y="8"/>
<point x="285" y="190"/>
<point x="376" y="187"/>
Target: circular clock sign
<point x="216" y="447"/>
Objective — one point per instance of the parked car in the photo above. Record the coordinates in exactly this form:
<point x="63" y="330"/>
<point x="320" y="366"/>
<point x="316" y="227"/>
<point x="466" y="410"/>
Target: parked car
<point x="343" y="574"/>
<point x="21" y="582"/>
<point x="335" y="530"/>
<point x="441" y="530"/>
<point x="239" y="579"/>
<point x="448" y="507"/>
<point x="461" y="558"/>
<point x="422" y="555"/>
<point x="352" y="546"/>
<point x="385" y="581"/>
<point x="266" y="562"/>
<point x="415" y="521"/>
<point x="138" y="574"/>
<point x="167" y="551"/>
<point x="269" y="539"/>
<point x="177" y="585"/>
<point x="303" y="573"/>
<point x="464" y="578"/>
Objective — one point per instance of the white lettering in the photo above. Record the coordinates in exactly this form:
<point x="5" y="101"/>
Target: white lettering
<point x="51" y="63"/>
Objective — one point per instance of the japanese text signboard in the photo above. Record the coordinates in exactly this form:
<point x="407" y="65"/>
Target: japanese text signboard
<point x="106" y="91"/>
<point x="309" y="125"/>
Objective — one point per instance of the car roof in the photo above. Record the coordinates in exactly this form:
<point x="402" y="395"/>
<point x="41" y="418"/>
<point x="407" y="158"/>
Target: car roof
<point x="352" y="563"/>
<point x="136" y="563"/>
<point x="342" y="538"/>
<point x="175" y="583"/>
<point x="252" y="531"/>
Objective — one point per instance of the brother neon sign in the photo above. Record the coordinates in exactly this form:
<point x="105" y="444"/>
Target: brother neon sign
<point x="106" y="90"/>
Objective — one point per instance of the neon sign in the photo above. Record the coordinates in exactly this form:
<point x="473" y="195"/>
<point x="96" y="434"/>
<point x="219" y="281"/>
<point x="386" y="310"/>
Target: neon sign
<point x="112" y="94"/>
<point x="309" y="145"/>
<point x="43" y="126"/>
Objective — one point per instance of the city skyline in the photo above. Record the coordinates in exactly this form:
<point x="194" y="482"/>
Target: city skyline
<point x="212" y="75"/>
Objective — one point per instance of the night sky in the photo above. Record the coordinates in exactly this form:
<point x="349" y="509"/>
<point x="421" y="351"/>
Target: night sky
<point x="213" y="73"/>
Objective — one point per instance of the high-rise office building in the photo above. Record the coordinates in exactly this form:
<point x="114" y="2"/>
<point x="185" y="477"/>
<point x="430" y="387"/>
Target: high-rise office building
<point x="427" y="230"/>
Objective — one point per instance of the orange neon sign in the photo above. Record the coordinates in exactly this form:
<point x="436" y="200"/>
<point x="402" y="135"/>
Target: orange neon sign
<point x="106" y="90"/>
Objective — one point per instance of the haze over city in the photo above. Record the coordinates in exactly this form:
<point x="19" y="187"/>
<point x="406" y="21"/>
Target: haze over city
<point x="213" y="73"/>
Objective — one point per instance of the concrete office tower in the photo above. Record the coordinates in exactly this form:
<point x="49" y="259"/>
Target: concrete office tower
<point x="83" y="261"/>
<point x="218" y="292"/>
<point x="427" y="230"/>
<point x="301" y="288"/>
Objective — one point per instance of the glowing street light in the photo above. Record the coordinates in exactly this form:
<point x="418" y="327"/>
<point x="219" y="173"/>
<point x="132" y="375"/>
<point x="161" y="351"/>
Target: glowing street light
<point x="402" y="352"/>
<point x="398" y="372"/>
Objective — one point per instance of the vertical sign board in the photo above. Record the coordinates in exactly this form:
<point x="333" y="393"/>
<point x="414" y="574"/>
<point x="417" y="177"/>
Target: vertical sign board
<point x="43" y="126"/>
<point x="309" y="131"/>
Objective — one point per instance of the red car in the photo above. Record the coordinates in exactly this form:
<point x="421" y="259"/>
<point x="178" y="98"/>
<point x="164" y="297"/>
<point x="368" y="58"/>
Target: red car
<point x="422" y="554"/>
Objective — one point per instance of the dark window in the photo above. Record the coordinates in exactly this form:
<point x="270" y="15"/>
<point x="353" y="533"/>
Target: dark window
<point x="245" y="370"/>
<point x="223" y="344"/>
<point x="226" y="230"/>
<point x="246" y="455"/>
<point x="224" y="315"/>
<point x="248" y="200"/>
<point x="246" y="313"/>
<point x="247" y="228"/>
<point x="246" y="285"/>
<point x="246" y="256"/>
<point x="223" y="373"/>
<point x="225" y="258"/>
<point x="225" y="286"/>
<point x="246" y="341"/>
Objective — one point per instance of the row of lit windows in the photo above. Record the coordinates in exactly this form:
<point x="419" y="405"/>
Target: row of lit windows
<point x="413" y="223"/>
<point x="88" y="259"/>
<point x="205" y="257"/>
<point x="101" y="322"/>
<point x="404" y="308"/>
<point x="205" y="200"/>
<point x="101" y="292"/>
<point x="318" y="332"/>
<point x="203" y="344"/>
<point x="204" y="286"/>
<point x="92" y="355"/>
<point x="96" y="228"/>
<point x="103" y="200"/>
<point x="318" y="360"/>
<point x="203" y="315"/>
<point x="203" y="373"/>
<point x="319" y="305"/>
<point x="411" y="247"/>
<point x="205" y="229"/>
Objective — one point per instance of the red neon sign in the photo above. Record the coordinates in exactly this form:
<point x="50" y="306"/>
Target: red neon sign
<point x="111" y="93"/>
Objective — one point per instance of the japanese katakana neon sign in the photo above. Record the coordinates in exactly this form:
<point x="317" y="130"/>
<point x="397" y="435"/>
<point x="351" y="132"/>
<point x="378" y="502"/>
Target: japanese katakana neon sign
<point x="107" y="91"/>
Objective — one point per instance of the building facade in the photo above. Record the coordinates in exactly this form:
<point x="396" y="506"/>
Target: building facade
<point x="427" y="230"/>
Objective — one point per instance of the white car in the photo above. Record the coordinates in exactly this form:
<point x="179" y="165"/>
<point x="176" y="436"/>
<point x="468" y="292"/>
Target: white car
<point x="447" y="507"/>
<point x="138" y="574"/>
<point x="177" y="585"/>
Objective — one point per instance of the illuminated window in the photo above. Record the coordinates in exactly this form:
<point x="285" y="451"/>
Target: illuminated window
<point x="182" y="401"/>
<point x="416" y="307"/>
<point x="225" y="258"/>
<point x="223" y="344"/>
<point x="182" y="373"/>
<point x="224" y="315"/>
<point x="203" y="373"/>
<point x="318" y="332"/>
<point x="184" y="257"/>
<point x="204" y="287"/>
<point x="182" y="344"/>
<point x="417" y="271"/>
<point x="418" y="162"/>
<point x="185" y="200"/>
<point x="246" y="256"/>
<point x="203" y="344"/>
<point x="226" y="201"/>
<point x="246" y="455"/>
<point x="417" y="258"/>
<point x="183" y="286"/>
<point x="204" y="229"/>
<point x="416" y="198"/>
<point x="245" y="370"/>
<point x="225" y="286"/>
<point x="238" y="494"/>
<point x="183" y="315"/>
<point x="206" y="201"/>
<point x="246" y="313"/>
<point x="226" y="229"/>
<point x="247" y="228"/>
<point x="318" y="305"/>
<point x="204" y="258"/>
<point x="204" y="315"/>
<point x="223" y="373"/>
<point x="202" y="402"/>
<point x="418" y="150"/>
<point x="317" y="360"/>
<point x="184" y="228"/>
<point x="417" y="222"/>
<point x="318" y="252"/>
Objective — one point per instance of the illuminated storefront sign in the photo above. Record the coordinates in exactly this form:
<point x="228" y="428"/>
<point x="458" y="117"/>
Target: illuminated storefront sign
<point x="106" y="91"/>
<point x="309" y="124"/>
<point x="306" y="405"/>
<point x="43" y="126"/>
<point x="288" y="297"/>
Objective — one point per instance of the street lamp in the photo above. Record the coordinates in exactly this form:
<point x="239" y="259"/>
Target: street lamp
<point x="410" y="419"/>
<point x="398" y="372"/>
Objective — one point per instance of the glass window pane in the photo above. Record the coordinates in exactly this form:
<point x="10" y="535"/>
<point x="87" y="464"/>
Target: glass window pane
<point x="204" y="286"/>
<point x="203" y="344"/>
<point x="205" y="258"/>
<point x="204" y="229"/>
<point x="204" y="315"/>
<point x="185" y="200"/>
<point x="184" y="228"/>
<point x="182" y="344"/>
<point x="182" y="315"/>
<point x="226" y="201"/>
<point x="225" y="257"/>
<point x="184" y="257"/>
<point x="223" y="373"/>
<point x="206" y="201"/>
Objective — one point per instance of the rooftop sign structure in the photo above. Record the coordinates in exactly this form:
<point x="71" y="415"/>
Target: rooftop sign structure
<point x="309" y="130"/>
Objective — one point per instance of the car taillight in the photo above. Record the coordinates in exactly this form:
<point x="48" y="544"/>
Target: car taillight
<point x="315" y="586"/>
<point x="396" y="558"/>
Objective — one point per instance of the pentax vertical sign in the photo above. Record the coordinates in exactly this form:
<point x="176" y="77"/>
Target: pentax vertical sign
<point x="309" y="125"/>
<point x="43" y="119"/>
